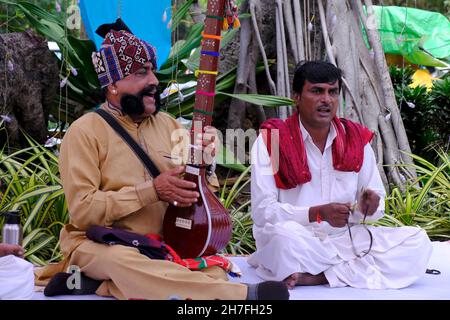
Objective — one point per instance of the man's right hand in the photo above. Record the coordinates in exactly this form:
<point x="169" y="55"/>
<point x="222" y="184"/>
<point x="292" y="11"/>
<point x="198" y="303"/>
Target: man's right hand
<point x="336" y="214"/>
<point x="171" y="188"/>
<point x="7" y="249"/>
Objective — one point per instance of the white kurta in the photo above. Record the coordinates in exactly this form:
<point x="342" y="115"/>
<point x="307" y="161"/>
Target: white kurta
<point x="287" y="242"/>
<point x="16" y="278"/>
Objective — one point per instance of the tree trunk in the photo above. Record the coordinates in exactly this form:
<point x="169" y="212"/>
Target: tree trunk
<point x="246" y="78"/>
<point x="367" y="90"/>
<point x="311" y="26"/>
<point x="28" y="84"/>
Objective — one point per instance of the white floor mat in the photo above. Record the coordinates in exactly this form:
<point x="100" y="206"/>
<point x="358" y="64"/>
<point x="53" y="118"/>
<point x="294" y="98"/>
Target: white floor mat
<point x="430" y="287"/>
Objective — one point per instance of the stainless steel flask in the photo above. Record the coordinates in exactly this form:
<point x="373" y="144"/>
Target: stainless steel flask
<point x="12" y="230"/>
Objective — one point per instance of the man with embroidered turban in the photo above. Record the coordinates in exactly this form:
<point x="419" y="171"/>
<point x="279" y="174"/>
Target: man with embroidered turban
<point x="310" y="193"/>
<point x="106" y="185"/>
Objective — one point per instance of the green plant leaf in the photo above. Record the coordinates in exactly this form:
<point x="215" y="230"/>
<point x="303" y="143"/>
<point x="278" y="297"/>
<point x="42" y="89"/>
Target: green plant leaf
<point x="36" y="209"/>
<point x="39" y="245"/>
<point x="227" y="159"/>
<point x="180" y="13"/>
<point x="261" y="100"/>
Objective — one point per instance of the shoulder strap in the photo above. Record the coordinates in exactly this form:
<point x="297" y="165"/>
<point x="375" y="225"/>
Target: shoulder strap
<point x="148" y="163"/>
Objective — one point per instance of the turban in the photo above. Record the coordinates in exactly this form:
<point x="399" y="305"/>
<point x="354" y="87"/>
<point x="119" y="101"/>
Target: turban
<point x="120" y="55"/>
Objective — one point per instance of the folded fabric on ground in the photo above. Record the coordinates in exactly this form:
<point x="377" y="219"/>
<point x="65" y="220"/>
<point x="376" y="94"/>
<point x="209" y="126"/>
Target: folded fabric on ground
<point x="16" y="278"/>
<point x="430" y="287"/>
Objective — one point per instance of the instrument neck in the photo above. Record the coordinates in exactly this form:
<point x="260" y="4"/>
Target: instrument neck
<point x="207" y="74"/>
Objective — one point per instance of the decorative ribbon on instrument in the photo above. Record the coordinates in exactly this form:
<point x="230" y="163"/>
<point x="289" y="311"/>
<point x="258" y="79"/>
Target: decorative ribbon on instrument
<point x="211" y="36"/>
<point x="210" y="53"/>
<point x="208" y="94"/>
<point x="196" y="264"/>
<point x="197" y="72"/>
<point x="207" y="113"/>
<point x="231" y="20"/>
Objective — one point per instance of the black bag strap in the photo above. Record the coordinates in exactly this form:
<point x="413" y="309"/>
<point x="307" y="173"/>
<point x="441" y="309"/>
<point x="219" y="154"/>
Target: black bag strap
<point x="148" y="163"/>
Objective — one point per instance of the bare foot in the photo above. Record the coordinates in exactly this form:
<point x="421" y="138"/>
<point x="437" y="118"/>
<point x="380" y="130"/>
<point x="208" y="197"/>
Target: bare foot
<point x="305" y="279"/>
<point x="291" y="281"/>
<point x="7" y="249"/>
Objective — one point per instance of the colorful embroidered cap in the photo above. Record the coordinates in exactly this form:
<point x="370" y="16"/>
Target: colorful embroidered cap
<point x="121" y="54"/>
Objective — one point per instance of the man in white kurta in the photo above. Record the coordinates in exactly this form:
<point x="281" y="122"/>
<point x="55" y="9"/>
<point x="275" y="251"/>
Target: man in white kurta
<point x="16" y="274"/>
<point x="289" y="243"/>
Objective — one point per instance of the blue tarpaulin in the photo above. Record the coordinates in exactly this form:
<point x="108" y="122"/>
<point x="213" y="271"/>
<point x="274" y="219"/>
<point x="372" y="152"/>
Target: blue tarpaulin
<point x="143" y="17"/>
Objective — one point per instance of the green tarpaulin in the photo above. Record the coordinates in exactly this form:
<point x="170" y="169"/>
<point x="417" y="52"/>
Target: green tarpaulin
<point x="422" y="37"/>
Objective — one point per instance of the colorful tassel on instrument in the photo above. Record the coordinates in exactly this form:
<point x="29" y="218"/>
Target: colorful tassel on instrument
<point x="231" y="20"/>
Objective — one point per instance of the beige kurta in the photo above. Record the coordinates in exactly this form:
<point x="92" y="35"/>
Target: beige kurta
<point x="107" y="185"/>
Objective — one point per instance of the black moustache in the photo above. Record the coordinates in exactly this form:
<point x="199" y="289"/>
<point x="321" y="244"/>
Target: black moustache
<point x="325" y="106"/>
<point x="133" y="105"/>
<point x="150" y="91"/>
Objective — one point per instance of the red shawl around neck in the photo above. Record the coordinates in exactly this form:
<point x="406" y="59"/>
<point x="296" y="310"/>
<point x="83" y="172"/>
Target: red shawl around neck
<point x="292" y="163"/>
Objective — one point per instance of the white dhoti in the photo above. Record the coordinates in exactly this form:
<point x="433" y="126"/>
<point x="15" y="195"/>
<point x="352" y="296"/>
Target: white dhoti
<point x="398" y="257"/>
<point x="288" y="241"/>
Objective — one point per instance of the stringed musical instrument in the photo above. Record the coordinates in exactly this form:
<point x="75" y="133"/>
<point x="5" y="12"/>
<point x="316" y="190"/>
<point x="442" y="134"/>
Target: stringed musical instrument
<point x="205" y="227"/>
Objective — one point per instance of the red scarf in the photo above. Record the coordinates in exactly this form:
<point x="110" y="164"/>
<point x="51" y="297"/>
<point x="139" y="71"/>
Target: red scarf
<point x="347" y="149"/>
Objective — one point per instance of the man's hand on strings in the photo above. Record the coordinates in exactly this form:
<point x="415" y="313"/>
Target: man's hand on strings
<point x="368" y="202"/>
<point x="336" y="214"/>
<point x="173" y="189"/>
<point x="208" y="139"/>
<point x="208" y="142"/>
